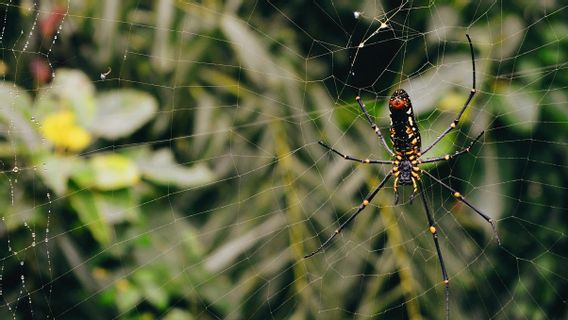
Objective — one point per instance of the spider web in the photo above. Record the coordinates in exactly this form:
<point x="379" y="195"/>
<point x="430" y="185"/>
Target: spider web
<point x="160" y="159"/>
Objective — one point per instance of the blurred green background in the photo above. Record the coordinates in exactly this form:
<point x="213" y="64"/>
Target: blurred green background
<point x="160" y="159"/>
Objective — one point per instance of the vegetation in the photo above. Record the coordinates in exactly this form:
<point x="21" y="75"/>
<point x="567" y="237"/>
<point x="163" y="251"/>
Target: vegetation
<point x="160" y="160"/>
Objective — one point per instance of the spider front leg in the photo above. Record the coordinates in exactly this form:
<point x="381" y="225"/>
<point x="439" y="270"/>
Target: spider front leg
<point x="456" y="154"/>
<point x="464" y="107"/>
<point x="373" y="125"/>
<point x="361" y="207"/>
<point x="347" y="157"/>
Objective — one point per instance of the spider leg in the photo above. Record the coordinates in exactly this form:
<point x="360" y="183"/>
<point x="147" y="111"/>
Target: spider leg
<point x="465" y="105"/>
<point x="373" y="124"/>
<point x="434" y="233"/>
<point x="460" y="197"/>
<point x="362" y="206"/>
<point x="347" y="157"/>
<point x="411" y="198"/>
<point x="456" y="154"/>
<point x="395" y="187"/>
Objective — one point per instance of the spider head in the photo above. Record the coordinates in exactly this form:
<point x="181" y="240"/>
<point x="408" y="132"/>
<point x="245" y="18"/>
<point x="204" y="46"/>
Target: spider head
<point x="399" y="101"/>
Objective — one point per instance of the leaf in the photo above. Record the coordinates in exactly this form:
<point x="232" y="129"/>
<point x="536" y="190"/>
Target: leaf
<point x="127" y="295"/>
<point x="440" y="24"/>
<point x="114" y="171"/>
<point x="162" y="58"/>
<point x="519" y="109"/>
<point x="15" y="111"/>
<point x="160" y="167"/>
<point x="507" y="38"/>
<point x="557" y="109"/>
<point x="70" y="89"/>
<point x="491" y="199"/>
<point x="56" y="171"/>
<point x="117" y="206"/>
<point x="84" y="175"/>
<point x="251" y="51"/>
<point x="178" y="314"/>
<point x="425" y="91"/>
<point x="151" y="287"/>
<point x="121" y="112"/>
<point x="83" y="202"/>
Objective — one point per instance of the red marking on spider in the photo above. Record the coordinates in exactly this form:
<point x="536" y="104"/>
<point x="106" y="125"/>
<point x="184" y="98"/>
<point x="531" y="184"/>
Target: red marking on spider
<point x="398" y="104"/>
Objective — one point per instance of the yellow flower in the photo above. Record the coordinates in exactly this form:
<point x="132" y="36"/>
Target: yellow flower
<point x="122" y="285"/>
<point x="60" y="128"/>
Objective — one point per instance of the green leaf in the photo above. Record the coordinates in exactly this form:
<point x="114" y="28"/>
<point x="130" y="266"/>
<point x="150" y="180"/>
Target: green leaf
<point x="160" y="167"/>
<point x="121" y="112"/>
<point x="127" y="296"/>
<point x="490" y="197"/>
<point x="152" y="288"/>
<point x="57" y="169"/>
<point x="163" y="51"/>
<point x="251" y="51"/>
<point x="505" y="37"/>
<point x="519" y="108"/>
<point x="70" y="89"/>
<point x="426" y="90"/>
<point x="15" y="111"/>
<point x="117" y="206"/>
<point x="83" y="202"/>
<point x="84" y="175"/>
<point x="114" y="171"/>
<point x="178" y="314"/>
<point x="557" y="110"/>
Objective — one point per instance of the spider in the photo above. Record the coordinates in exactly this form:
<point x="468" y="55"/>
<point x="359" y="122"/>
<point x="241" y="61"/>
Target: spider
<point x="406" y="160"/>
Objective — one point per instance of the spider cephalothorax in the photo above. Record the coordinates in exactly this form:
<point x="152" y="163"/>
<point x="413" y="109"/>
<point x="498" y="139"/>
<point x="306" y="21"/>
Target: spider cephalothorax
<point x="405" y="138"/>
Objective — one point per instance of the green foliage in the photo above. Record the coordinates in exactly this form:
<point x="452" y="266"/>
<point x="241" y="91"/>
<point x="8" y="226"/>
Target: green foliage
<point x="187" y="183"/>
<point x="104" y="190"/>
<point x="122" y="112"/>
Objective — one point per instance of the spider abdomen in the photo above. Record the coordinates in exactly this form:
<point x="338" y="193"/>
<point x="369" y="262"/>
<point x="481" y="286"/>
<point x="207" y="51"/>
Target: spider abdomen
<point x="404" y="132"/>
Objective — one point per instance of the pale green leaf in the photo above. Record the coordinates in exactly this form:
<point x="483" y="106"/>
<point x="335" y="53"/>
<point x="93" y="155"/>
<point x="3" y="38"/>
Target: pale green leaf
<point x="15" y="112"/>
<point x="152" y="288"/>
<point x="253" y="53"/>
<point x="70" y="89"/>
<point x="114" y="171"/>
<point x="160" y="167"/>
<point x="178" y="314"/>
<point x="128" y="297"/>
<point x="519" y="108"/>
<point x="56" y="171"/>
<point x="117" y="206"/>
<point x="83" y="202"/>
<point x="121" y="112"/>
